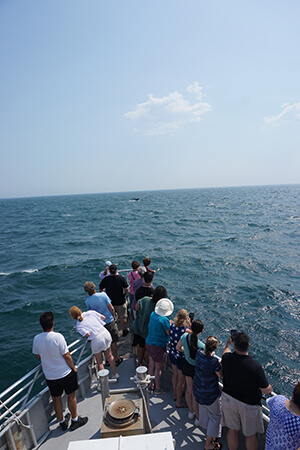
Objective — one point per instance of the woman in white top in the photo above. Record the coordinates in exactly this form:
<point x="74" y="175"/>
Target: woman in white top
<point x="90" y="324"/>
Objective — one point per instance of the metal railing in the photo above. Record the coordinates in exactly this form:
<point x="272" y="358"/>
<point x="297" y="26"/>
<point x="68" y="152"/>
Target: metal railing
<point x="265" y="408"/>
<point x="17" y="396"/>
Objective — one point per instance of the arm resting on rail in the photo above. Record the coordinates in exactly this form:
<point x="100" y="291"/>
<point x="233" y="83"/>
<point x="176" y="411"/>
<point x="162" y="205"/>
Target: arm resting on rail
<point x="267" y="390"/>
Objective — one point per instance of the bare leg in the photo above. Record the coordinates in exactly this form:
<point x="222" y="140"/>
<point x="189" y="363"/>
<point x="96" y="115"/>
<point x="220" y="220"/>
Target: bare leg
<point x="180" y="386"/>
<point x="151" y="370"/>
<point x="72" y="404"/>
<point x="189" y="394"/>
<point x="114" y="350"/>
<point x="124" y="324"/>
<point x="111" y="359"/>
<point x="157" y="373"/>
<point x="174" y="383"/>
<point x="99" y="359"/>
<point x="196" y="407"/>
<point x="209" y="444"/>
<point x="251" y="442"/>
<point x="233" y="439"/>
<point x="58" y="406"/>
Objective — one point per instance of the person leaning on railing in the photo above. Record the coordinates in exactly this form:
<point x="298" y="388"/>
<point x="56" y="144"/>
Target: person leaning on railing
<point x="207" y="392"/>
<point x="284" y="428"/>
<point x="244" y="381"/>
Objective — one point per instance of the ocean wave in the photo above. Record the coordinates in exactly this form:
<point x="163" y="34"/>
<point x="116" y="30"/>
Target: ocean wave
<point x="29" y="271"/>
<point x="231" y="239"/>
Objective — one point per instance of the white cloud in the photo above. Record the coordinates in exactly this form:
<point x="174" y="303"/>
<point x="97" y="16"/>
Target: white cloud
<point x="288" y="112"/>
<point x="194" y="88"/>
<point x="164" y="115"/>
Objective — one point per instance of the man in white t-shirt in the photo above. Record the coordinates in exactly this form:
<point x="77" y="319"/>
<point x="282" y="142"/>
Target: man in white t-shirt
<point x="59" y="370"/>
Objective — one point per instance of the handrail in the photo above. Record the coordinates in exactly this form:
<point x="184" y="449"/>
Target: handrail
<point x="21" y="390"/>
<point x="264" y="405"/>
<point x="32" y="372"/>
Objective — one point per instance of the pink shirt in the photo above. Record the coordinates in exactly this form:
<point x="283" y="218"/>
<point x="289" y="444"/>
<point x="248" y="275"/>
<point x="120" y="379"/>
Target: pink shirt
<point x="134" y="275"/>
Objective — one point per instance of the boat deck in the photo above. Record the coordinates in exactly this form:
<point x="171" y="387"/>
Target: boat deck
<point x="163" y="413"/>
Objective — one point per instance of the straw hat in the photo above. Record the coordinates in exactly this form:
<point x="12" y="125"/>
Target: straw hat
<point x="164" y="307"/>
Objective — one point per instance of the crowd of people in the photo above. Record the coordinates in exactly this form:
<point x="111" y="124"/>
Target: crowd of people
<point x="196" y="368"/>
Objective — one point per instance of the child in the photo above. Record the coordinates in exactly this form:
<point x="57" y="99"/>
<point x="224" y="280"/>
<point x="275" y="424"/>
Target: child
<point x="134" y="275"/>
<point x="147" y="262"/>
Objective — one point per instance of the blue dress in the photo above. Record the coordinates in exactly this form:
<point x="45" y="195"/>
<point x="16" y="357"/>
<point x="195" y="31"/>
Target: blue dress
<point x="175" y="335"/>
<point x="283" y="431"/>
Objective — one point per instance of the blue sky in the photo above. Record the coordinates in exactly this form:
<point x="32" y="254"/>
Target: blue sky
<point x="104" y="96"/>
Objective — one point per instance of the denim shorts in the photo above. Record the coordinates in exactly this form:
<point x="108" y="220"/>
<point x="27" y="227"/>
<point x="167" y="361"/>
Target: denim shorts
<point x="178" y="362"/>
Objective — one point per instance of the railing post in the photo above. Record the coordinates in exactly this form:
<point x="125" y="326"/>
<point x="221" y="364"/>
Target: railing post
<point x="81" y="353"/>
<point x="31" y="387"/>
<point x="104" y="384"/>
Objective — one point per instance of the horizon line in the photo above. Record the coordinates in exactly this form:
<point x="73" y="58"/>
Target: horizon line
<point x="148" y="190"/>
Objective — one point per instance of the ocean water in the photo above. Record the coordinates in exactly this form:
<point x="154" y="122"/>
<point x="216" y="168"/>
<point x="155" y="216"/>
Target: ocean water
<point x="231" y="255"/>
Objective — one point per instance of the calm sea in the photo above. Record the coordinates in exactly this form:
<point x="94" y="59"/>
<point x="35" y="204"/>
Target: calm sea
<point x="231" y="255"/>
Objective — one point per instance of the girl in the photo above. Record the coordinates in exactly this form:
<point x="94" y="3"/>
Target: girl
<point x="132" y="276"/>
<point x="189" y="344"/>
<point x="207" y="393"/>
<point x="177" y="329"/>
<point x="90" y="325"/>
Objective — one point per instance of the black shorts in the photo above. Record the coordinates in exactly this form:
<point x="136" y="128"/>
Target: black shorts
<point x="138" y="340"/>
<point x="69" y="384"/>
<point x="187" y="369"/>
<point x="113" y="330"/>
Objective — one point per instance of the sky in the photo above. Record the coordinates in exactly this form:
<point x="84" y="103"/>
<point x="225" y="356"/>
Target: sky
<point x="109" y="96"/>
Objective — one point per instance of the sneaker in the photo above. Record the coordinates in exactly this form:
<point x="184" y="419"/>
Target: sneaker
<point x="191" y="416"/>
<point x="116" y="377"/>
<point x="79" y="423"/>
<point x="125" y="332"/>
<point x="197" y="423"/>
<point x="64" y="425"/>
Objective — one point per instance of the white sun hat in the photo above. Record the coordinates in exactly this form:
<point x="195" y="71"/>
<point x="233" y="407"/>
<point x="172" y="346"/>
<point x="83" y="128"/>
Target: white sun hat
<point x="164" y="307"/>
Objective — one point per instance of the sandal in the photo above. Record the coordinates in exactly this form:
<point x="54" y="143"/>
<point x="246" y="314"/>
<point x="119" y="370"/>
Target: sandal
<point x="119" y="360"/>
<point x="182" y="405"/>
<point x="217" y="446"/>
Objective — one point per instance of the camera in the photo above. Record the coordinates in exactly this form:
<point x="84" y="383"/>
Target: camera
<point x="232" y="334"/>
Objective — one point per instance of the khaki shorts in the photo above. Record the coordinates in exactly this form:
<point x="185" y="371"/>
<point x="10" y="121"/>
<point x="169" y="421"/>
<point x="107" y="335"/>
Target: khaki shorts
<point x="121" y="310"/>
<point x="112" y="328"/>
<point x="210" y="418"/>
<point x="237" y="415"/>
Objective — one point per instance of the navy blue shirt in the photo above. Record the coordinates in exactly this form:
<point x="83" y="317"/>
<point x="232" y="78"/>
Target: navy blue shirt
<point x="206" y="384"/>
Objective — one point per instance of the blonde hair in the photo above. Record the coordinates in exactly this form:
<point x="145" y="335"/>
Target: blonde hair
<point x="211" y="345"/>
<point x="182" y="318"/>
<point x="76" y="313"/>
